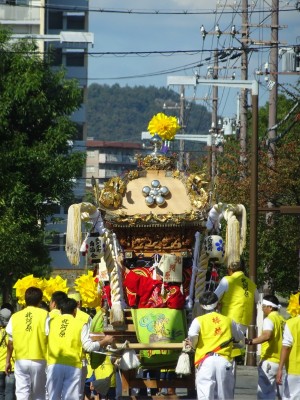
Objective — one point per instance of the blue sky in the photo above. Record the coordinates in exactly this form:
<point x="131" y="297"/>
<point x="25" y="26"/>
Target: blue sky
<point x="122" y="31"/>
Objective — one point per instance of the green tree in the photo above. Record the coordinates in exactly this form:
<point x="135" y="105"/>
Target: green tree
<point x="36" y="161"/>
<point x="278" y="243"/>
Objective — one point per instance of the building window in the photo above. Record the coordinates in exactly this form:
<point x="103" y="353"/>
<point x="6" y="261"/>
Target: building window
<point x="75" y="23"/>
<point x="75" y="59"/>
<point x="52" y="240"/>
<point x="90" y="168"/>
<point x="79" y="133"/>
<point x="55" y="20"/>
<point x="56" y="208"/>
<point x="91" y="154"/>
<point x="56" y="56"/>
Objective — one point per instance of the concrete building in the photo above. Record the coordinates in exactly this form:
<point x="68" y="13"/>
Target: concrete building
<point x="108" y="159"/>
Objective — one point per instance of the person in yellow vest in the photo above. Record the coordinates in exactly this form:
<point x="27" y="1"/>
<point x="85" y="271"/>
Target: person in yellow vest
<point x="290" y="358"/>
<point x="86" y="319"/>
<point x="27" y="331"/>
<point x="7" y="382"/>
<point x="211" y="335"/>
<point x="55" y="302"/>
<point x="270" y="339"/>
<point x="68" y="337"/>
<point x="237" y="295"/>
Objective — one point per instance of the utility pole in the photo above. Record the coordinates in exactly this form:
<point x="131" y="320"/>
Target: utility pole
<point x="273" y="81"/>
<point x="273" y="91"/>
<point x="214" y="120"/>
<point x="182" y="124"/>
<point x="244" y="76"/>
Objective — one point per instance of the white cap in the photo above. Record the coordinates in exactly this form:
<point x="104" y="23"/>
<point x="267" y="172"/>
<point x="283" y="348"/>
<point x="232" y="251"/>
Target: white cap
<point x="5" y="315"/>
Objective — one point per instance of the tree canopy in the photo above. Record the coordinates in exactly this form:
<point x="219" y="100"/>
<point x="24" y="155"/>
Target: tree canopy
<point x="278" y="184"/>
<point x="37" y="165"/>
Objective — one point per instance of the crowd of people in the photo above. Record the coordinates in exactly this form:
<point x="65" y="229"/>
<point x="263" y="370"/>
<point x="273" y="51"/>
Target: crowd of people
<point x="46" y="351"/>
<point x="217" y="336"/>
<point x="43" y="348"/>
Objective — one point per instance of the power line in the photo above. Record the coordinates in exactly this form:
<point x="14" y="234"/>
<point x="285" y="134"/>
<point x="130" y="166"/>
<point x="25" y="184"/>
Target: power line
<point x="155" y="52"/>
<point x="66" y="8"/>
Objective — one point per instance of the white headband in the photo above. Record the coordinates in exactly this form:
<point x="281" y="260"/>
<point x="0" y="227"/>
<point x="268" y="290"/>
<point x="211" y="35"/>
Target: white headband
<point x="269" y="303"/>
<point x="209" y="307"/>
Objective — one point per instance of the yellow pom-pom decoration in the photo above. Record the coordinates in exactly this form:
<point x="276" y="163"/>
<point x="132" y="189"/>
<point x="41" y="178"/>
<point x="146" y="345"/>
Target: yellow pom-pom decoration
<point x="293" y="307"/>
<point x="53" y="285"/>
<point x="164" y="126"/>
<point x="88" y="288"/>
<point x="23" y="284"/>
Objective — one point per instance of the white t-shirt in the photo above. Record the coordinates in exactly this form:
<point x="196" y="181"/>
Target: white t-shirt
<point x="267" y="325"/>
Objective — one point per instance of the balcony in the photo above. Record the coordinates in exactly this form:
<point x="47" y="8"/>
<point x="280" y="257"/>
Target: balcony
<point x="17" y="15"/>
<point x="108" y="173"/>
<point x="117" y="159"/>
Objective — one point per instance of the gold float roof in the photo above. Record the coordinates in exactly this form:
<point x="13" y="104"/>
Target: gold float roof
<point x="124" y="203"/>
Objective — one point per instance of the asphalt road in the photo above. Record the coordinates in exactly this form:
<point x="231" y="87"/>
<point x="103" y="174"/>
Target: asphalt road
<point x="245" y="388"/>
<point x="246" y="383"/>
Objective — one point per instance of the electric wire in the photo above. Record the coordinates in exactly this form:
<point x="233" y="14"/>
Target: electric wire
<point x="71" y="8"/>
<point x="224" y="92"/>
<point x="218" y="15"/>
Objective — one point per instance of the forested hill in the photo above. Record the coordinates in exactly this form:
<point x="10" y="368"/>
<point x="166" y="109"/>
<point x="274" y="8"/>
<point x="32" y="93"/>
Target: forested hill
<point x="118" y="113"/>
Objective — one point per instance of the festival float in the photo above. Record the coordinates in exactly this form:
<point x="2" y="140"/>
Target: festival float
<point x="154" y="248"/>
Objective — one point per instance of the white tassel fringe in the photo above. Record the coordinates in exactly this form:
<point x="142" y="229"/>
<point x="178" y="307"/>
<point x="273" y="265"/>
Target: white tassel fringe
<point x="183" y="366"/>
